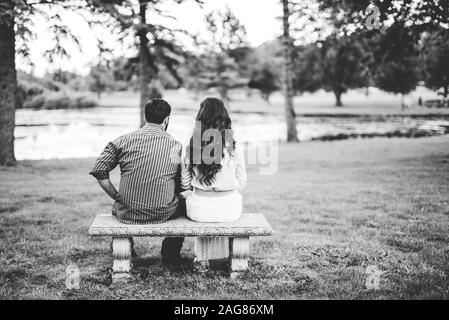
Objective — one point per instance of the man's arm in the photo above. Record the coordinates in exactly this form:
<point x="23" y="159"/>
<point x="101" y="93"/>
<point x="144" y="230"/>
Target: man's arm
<point x="106" y="162"/>
<point x="186" y="176"/>
<point x="109" y="188"/>
<point x="175" y="157"/>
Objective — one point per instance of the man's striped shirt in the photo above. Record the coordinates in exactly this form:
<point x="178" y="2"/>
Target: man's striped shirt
<point x="149" y="161"/>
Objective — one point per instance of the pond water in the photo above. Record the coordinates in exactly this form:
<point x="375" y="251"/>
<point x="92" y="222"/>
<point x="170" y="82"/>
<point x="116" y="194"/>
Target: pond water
<point x="58" y="134"/>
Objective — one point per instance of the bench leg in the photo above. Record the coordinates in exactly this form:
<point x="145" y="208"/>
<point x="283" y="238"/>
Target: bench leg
<point x="238" y="255"/>
<point x="121" y="255"/>
<point x="211" y="248"/>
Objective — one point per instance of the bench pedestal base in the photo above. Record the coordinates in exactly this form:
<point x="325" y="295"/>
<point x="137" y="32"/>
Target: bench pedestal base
<point x="121" y="255"/>
<point x="238" y="255"/>
<point x="122" y="249"/>
<point x="211" y="248"/>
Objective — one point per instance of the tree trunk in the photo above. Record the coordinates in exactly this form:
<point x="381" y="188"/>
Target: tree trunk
<point x="290" y="115"/>
<point x="338" y="102"/>
<point x="445" y="94"/>
<point x="144" y="69"/>
<point x="224" y="95"/>
<point x="8" y="86"/>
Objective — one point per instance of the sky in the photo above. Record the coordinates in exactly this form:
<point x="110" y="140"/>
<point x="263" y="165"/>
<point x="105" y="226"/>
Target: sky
<point x="260" y="18"/>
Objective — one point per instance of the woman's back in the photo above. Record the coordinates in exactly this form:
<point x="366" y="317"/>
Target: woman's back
<point x="231" y="176"/>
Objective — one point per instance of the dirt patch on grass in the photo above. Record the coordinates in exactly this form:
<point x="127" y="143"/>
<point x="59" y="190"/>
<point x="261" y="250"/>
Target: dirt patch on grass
<point x="9" y="208"/>
<point x="405" y="244"/>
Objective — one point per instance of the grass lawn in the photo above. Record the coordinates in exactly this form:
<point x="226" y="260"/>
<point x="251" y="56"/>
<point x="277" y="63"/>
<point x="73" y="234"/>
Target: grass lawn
<point x="336" y="208"/>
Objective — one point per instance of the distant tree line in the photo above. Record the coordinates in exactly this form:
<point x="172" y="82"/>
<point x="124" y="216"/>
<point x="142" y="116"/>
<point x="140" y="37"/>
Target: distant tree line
<point x="403" y="41"/>
<point x="395" y="61"/>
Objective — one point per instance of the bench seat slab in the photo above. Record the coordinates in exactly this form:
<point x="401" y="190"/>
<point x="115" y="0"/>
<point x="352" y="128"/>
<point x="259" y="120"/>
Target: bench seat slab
<point x="249" y="224"/>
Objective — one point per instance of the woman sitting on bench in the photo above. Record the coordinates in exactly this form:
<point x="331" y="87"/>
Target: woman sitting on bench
<point x="213" y="167"/>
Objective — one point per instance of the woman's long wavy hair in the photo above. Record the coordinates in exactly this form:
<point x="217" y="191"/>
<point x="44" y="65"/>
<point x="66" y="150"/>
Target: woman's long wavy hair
<point x="212" y="115"/>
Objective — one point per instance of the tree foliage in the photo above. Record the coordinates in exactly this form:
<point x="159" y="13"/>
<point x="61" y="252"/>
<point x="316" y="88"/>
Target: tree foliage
<point x="100" y="78"/>
<point x="435" y="61"/>
<point x="124" y="19"/>
<point x="396" y="67"/>
<point x="345" y="64"/>
<point x="225" y="31"/>
<point x="223" y="49"/>
<point x="396" y="37"/>
<point x="265" y="80"/>
<point x="416" y="15"/>
<point x="25" y="12"/>
<point x="154" y="44"/>
<point x="336" y="64"/>
<point x="16" y="31"/>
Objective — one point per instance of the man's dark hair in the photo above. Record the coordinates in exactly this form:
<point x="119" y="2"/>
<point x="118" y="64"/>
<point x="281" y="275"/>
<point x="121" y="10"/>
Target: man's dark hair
<point x="157" y="110"/>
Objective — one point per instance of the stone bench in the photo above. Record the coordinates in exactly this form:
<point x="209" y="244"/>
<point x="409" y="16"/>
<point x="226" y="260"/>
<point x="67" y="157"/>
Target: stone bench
<point x="122" y="234"/>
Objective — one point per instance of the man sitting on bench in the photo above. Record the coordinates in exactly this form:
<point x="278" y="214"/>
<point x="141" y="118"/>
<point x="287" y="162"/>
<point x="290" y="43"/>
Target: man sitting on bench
<point x="149" y="161"/>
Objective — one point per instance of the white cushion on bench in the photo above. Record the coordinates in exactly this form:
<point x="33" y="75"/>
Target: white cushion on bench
<point x="250" y="224"/>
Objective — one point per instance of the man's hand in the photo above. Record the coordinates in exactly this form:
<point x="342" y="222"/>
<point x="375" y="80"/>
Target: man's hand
<point x="118" y="197"/>
<point x="185" y="194"/>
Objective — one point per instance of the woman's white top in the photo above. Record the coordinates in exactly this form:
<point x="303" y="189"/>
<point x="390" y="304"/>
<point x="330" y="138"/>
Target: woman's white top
<point x="232" y="175"/>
